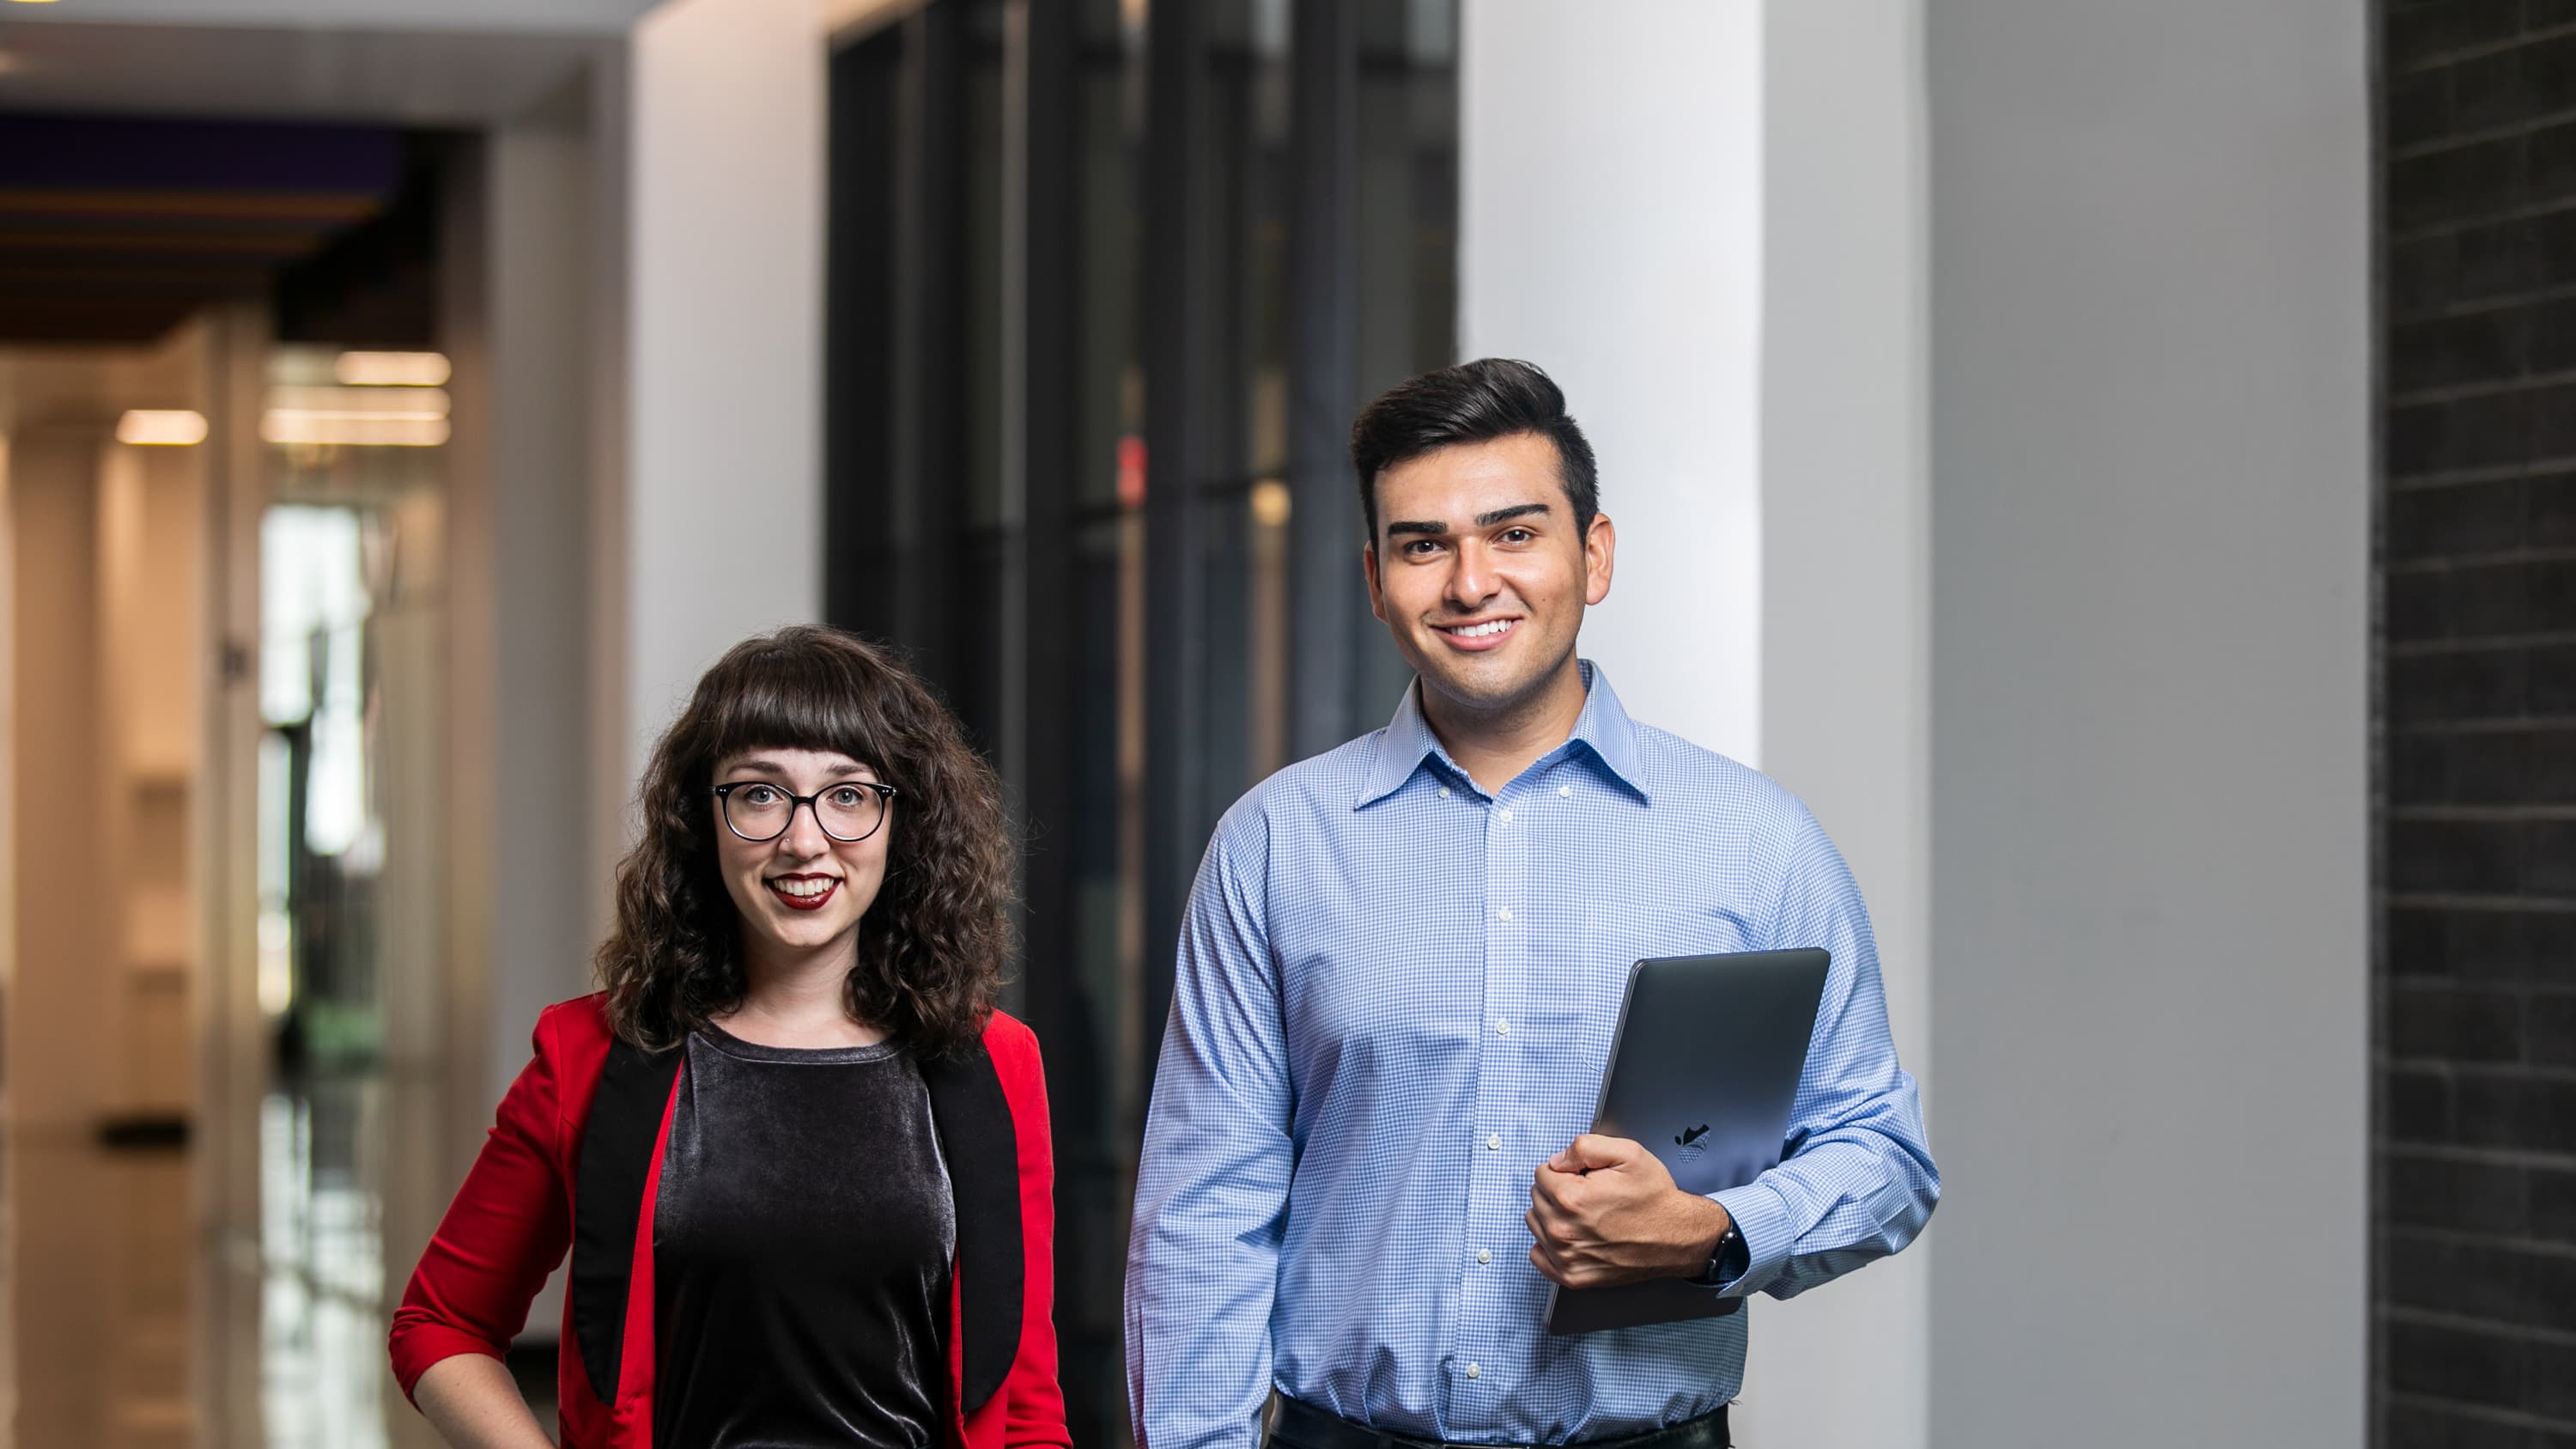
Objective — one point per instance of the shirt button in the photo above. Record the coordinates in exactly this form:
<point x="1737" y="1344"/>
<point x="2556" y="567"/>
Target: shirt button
<point x="1444" y="792"/>
<point x="1507" y="817"/>
<point x="1484" y="1255"/>
<point x="1475" y="1371"/>
<point x="1507" y="913"/>
<point x="1502" y="1028"/>
<point x="1494" y="1143"/>
<point x="1565" y="792"/>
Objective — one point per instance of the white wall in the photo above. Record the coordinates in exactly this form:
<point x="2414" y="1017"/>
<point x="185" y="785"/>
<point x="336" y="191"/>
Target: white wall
<point x="723" y="325"/>
<point x="1846" y="633"/>
<point x="1610" y="231"/>
<point x="2150" y="440"/>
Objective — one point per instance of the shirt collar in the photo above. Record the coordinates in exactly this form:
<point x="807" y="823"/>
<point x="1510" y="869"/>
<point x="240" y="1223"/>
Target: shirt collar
<point x="1603" y="730"/>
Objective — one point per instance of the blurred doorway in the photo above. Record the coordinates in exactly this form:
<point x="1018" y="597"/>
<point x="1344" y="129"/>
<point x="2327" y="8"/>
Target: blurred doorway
<point x="350" y="824"/>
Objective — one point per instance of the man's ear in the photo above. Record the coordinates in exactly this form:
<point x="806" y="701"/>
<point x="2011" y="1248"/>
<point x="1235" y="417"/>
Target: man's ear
<point x="1368" y="566"/>
<point x="1600" y="542"/>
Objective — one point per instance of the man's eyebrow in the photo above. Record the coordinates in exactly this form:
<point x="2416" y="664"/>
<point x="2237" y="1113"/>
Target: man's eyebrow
<point x="1483" y="520"/>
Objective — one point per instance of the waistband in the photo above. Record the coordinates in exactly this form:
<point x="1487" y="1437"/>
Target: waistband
<point x="1304" y="1426"/>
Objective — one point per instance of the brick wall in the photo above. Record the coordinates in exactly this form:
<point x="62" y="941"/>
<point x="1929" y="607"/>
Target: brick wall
<point x="2475" y="1208"/>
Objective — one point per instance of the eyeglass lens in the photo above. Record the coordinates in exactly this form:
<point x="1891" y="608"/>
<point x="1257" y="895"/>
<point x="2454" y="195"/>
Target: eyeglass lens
<point x="761" y="812"/>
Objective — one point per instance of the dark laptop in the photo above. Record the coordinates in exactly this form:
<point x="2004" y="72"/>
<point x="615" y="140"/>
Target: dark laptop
<point x="1703" y="1071"/>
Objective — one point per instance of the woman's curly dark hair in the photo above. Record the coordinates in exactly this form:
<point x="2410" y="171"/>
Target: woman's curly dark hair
<point x="931" y="946"/>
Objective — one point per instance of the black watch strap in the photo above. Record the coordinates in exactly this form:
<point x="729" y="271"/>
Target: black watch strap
<point x="1728" y="1261"/>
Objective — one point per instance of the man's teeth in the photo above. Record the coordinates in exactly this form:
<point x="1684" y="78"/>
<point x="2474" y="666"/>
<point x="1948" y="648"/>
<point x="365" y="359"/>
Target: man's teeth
<point x="1479" y="631"/>
<point x="804" y="887"/>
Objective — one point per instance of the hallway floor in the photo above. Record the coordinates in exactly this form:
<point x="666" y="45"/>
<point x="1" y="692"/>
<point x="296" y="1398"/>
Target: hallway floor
<point x="130" y="1327"/>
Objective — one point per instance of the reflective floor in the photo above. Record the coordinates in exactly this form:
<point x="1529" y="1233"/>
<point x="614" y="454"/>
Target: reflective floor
<point x="125" y="1335"/>
<point x="322" y="1320"/>
<point x="102" y="1305"/>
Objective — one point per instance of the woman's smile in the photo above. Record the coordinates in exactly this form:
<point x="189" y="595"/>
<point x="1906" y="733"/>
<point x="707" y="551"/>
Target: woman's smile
<point x="803" y="892"/>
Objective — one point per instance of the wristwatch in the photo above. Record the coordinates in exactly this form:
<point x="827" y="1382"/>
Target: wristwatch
<point x="1726" y="1262"/>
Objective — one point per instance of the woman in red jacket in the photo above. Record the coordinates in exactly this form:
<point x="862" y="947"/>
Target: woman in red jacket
<point x="800" y="1161"/>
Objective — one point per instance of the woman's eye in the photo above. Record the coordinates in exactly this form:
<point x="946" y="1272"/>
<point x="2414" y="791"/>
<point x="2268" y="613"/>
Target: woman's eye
<point x="760" y="795"/>
<point x="847" y="797"/>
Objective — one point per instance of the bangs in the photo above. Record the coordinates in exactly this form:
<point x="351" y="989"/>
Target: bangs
<point x="771" y="698"/>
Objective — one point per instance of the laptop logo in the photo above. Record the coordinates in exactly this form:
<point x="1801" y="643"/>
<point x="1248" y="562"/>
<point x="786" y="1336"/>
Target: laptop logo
<point x="1693" y="1140"/>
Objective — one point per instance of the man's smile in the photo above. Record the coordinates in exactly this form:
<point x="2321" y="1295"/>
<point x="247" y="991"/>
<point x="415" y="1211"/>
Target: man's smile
<point x="1477" y="635"/>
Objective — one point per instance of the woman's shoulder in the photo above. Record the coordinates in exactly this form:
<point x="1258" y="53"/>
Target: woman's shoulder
<point x="1004" y="1032"/>
<point x="575" y="1029"/>
<point x="1013" y="1048"/>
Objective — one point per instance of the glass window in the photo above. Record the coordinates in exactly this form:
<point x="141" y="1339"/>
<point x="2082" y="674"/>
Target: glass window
<point x="948" y="233"/>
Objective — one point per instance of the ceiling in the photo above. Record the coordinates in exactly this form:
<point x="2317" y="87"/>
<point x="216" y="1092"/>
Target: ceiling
<point x="148" y="169"/>
<point x="499" y="17"/>
<point x="114" y="229"/>
<point x="423" y="79"/>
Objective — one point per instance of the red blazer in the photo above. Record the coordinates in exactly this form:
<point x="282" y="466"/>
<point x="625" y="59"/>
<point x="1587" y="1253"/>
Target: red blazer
<point x="575" y="1158"/>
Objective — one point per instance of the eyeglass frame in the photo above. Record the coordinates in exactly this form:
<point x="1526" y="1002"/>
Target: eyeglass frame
<point x="723" y="793"/>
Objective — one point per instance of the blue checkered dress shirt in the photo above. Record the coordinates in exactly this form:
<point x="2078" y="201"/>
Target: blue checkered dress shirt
<point x="1395" y="996"/>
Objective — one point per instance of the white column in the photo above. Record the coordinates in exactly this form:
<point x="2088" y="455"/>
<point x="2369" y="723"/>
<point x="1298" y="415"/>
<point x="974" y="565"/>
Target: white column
<point x="723" y="332"/>
<point x="1610" y="231"/>
<point x="2150" y="314"/>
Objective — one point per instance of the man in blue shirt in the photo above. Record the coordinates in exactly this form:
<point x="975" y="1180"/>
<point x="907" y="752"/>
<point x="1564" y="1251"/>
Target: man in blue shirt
<point x="1399" y="974"/>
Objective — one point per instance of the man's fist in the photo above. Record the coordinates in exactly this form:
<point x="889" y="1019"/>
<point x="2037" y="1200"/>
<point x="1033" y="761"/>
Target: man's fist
<point x="1604" y="1211"/>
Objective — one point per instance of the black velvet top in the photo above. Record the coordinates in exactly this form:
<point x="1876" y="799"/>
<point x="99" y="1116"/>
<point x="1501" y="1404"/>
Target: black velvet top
<point x="802" y="1239"/>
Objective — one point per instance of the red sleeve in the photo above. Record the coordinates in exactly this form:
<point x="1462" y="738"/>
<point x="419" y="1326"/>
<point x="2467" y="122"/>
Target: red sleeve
<point x="506" y="1230"/>
<point x="1035" y="1410"/>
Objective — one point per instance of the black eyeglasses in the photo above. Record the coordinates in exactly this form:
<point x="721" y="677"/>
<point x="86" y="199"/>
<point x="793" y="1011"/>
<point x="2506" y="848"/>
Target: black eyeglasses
<point x="759" y="811"/>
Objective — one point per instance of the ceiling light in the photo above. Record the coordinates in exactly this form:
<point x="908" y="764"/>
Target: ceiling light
<point x="167" y="428"/>
<point x="374" y="402"/>
<point x="1270" y="503"/>
<point x="390" y="369"/>
<point x="355" y="430"/>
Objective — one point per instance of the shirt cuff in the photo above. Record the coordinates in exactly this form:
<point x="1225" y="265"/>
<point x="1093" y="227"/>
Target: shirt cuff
<point x="1763" y="1220"/>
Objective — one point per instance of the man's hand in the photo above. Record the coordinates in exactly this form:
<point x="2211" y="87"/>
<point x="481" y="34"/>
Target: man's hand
<point x="1604" y="1212"/>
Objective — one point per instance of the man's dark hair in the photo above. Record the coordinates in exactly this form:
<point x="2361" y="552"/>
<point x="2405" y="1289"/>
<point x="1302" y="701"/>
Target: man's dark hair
<point x="1474" y="402"/>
